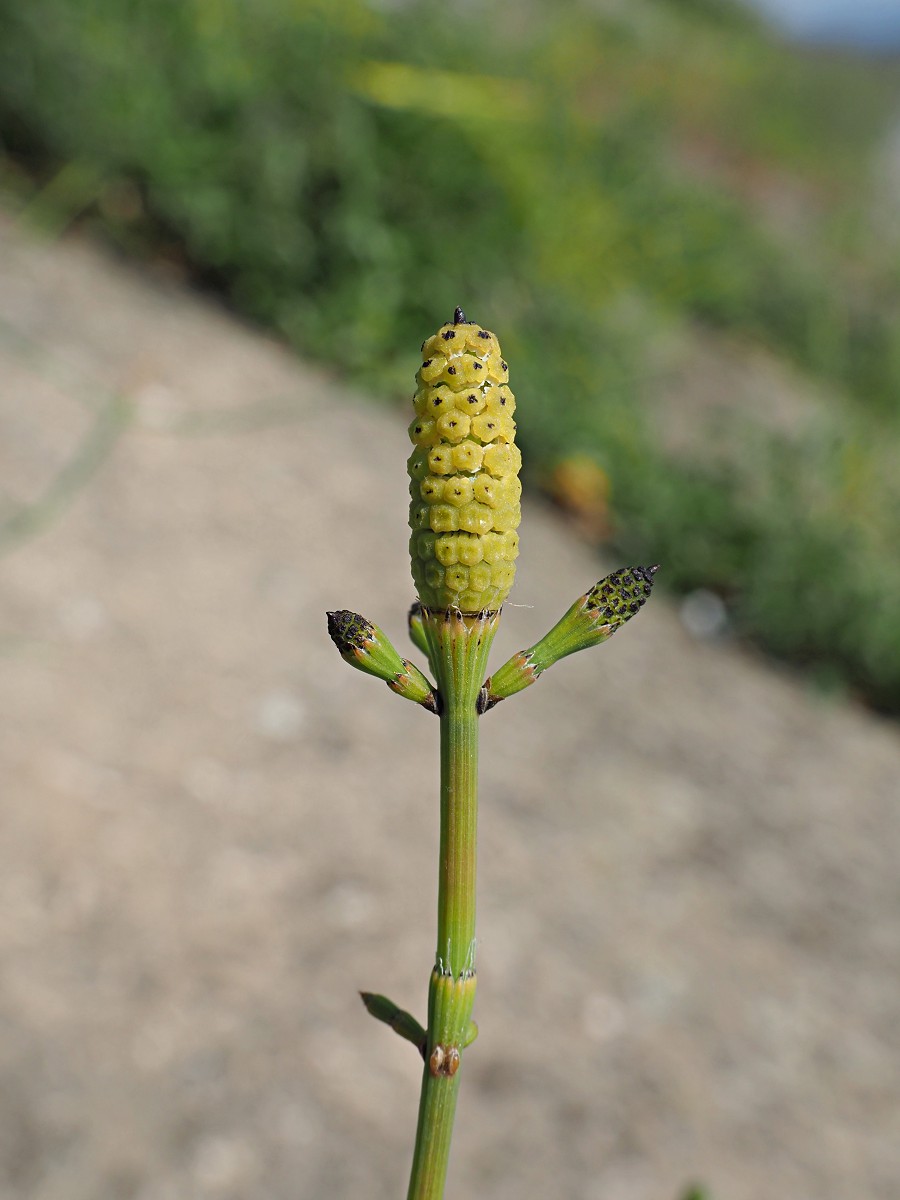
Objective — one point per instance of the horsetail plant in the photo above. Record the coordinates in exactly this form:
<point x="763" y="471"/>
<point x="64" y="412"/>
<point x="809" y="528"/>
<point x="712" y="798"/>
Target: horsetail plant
<point x="464" y="513"/>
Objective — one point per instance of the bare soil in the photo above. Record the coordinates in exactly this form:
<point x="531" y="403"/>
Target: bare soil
<point x="215" y="833"/>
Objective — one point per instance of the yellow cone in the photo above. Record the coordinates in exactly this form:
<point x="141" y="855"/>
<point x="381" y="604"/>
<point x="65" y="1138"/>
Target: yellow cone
<point x="464" y="472"/>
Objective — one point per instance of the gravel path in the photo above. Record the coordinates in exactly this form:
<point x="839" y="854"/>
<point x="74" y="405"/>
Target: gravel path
<point x="214" y="833"/>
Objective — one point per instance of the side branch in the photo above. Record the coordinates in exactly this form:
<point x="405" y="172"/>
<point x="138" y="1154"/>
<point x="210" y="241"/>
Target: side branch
<point x="417" y="635"/>
<point x="402" y="1022"/>
<point x="592" y="619"/>
<point x="364" y="646"/>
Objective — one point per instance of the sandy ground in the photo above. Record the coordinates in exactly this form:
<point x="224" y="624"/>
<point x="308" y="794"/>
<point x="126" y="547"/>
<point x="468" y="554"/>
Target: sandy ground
<point x="214" y="833"/>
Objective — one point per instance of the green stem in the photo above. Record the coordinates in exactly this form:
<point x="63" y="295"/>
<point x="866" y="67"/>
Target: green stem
<point x="458" y="650"/>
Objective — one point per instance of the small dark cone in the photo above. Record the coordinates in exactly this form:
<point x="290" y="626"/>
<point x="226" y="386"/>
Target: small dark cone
<point x="618" y="597"/>
<point x="459" y="317"/>
<point x="348" y="630"/>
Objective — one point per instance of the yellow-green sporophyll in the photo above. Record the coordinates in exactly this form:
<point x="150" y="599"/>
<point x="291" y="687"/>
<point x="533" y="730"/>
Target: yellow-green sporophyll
<point x="464" y="472"/>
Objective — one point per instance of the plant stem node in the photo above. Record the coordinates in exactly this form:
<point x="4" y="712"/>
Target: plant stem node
<point x="444" y="1060"/>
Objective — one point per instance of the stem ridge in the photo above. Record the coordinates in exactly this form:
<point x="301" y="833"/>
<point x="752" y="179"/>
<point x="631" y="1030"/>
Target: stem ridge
<point x="458" y="646"/>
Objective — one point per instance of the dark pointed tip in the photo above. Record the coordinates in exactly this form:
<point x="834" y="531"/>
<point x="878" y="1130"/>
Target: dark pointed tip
<point x="459" y="317"/>
<point x="336" y="627"/>
<point x="348" y="630"/>
<point x="645" y="573"/>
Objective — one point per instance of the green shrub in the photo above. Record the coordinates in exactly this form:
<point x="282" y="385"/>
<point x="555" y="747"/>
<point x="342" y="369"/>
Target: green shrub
<point x="348" y="175"/>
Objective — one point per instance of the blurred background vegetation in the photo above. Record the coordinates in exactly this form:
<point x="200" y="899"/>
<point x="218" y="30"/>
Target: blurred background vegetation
<point x="685" y="233"/>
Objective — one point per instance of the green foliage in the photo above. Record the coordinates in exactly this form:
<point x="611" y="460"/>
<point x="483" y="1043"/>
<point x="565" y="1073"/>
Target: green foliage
<point x="350" y="173"/>
<point x="696" y="1193"/>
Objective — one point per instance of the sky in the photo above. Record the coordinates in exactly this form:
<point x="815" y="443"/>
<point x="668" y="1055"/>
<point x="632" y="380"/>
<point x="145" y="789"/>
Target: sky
<point x="872" y="24"/>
